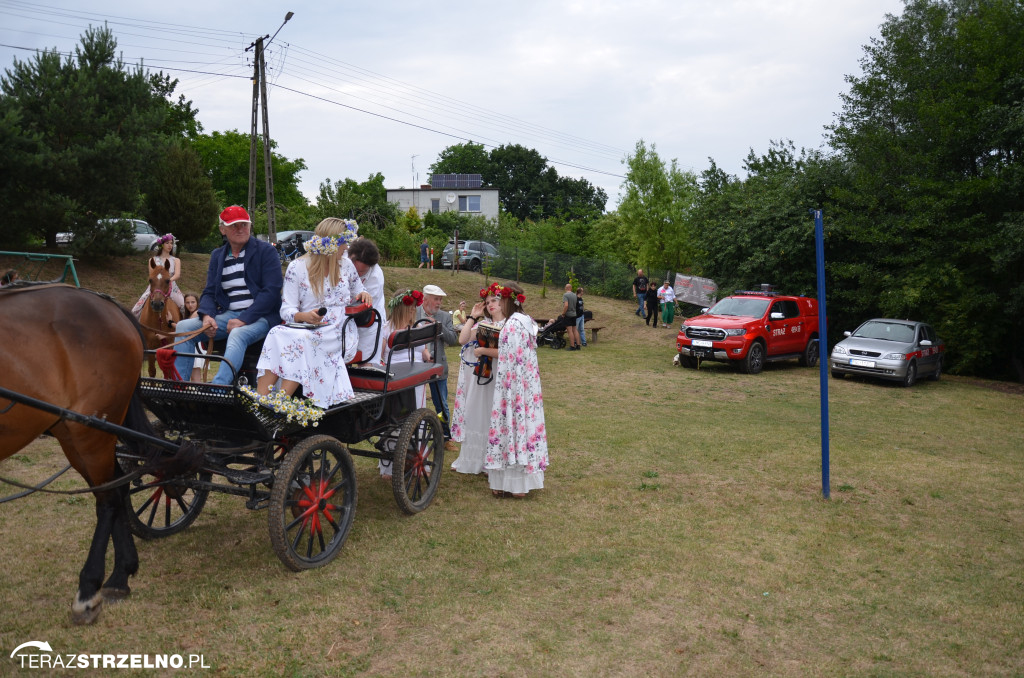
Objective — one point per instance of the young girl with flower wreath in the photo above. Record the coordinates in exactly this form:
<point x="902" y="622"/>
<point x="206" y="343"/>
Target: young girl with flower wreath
<point x="474" y="396"/>
<point x="311" y="356"/>
<point x="165" y="247"/>
<point x="517" y="443"/>
<point x="401" y="316"/>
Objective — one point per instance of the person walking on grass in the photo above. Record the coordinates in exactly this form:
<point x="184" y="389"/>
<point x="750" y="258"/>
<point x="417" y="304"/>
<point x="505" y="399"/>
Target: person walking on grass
<point x="640" y="283"/>
<point x="667" y="298"/>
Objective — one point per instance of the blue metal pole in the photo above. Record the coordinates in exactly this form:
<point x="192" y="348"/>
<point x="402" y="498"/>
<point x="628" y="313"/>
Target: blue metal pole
<point x="819" y="245"/>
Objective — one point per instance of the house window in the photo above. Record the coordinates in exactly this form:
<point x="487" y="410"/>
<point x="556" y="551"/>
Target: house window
<point x="435" y="205"/>
<point x="469" y="203"/>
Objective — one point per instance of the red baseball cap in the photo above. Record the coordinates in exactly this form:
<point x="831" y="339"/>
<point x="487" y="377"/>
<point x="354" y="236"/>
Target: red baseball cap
<point x="233" y="215"/>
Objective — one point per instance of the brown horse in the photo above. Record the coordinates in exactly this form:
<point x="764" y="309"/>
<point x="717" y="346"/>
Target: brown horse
<point x="81" y="351"/>
<point x="159" y="312"/>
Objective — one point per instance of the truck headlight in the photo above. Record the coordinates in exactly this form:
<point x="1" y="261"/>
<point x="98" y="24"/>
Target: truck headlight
<point x="738" y="332"/>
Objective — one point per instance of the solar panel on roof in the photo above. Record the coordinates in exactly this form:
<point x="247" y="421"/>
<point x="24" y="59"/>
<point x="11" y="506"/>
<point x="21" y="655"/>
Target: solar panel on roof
<point x="456" y="181"/>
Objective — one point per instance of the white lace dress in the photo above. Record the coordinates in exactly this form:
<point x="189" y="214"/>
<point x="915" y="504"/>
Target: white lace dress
<point x="471" y="418"/>
<point x="314" y="358"/>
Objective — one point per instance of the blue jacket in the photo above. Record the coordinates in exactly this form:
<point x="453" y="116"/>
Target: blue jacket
<point x="262" y="277"/>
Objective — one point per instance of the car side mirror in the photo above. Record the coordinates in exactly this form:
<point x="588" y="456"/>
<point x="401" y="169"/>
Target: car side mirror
<point x="847" y="333"/>
<point x="776" y="316"/>
<point x="925" y="342"/>
<point x="705" y="309"/>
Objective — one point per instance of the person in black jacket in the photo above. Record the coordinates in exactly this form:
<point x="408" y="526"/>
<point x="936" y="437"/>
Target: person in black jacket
<point x="651" y="299"/>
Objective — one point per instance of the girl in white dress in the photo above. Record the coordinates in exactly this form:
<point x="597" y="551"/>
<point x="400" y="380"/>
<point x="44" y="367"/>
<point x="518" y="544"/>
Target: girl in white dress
<point x="165" y="246"/>
<point x="474" y="396"/>
<point x="323" y="278"/>
<point x="401" y="316"/>
<point x="517" y="445"/>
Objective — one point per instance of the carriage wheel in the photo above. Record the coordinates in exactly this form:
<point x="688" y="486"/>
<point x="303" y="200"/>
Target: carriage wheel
<point x="159" y="510"/>
<point x="419" y="458"/>
<point x="312" y="503"/>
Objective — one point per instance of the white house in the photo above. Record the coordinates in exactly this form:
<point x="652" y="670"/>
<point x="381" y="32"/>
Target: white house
<point x="446" y="193"/>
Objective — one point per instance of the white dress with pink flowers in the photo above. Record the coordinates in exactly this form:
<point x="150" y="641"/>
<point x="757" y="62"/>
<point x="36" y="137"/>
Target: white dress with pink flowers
<point x="517" y="445"/>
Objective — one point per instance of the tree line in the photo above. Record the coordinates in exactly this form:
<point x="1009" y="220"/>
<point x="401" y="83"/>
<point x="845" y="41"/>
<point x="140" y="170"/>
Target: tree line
<point x="920" y="179"/>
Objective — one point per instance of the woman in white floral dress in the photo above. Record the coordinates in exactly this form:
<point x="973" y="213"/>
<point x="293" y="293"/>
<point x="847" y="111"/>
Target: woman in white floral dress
<point x="313" y="358"/>
<point x="474" y="396"/>
<point x="517" y="445"/>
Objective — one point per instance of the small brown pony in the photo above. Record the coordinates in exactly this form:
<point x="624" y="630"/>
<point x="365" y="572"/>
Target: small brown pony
<point x="81" y="351"/>
<point x="160" y="312"/>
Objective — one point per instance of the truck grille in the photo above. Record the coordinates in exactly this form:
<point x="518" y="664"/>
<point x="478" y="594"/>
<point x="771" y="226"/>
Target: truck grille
<point x="712" y="333"/>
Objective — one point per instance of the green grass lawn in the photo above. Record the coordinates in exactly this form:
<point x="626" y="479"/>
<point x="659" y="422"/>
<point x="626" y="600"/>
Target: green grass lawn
<point x="681" y="531"/>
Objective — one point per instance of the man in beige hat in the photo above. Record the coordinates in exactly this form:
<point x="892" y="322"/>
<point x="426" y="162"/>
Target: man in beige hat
<point x="431" y="310"/>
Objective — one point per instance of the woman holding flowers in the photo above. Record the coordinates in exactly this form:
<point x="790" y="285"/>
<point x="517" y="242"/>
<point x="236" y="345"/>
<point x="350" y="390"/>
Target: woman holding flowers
<point x="164" y="249"/>
<point x="307" y="350"/>
<point x="474" y="396"/>
<point x="517" y="444"/>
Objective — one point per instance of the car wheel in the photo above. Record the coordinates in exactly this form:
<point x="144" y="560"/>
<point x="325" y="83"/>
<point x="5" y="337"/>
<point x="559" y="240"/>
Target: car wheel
<point x="810" y="356"/>
<point x="687" y="361"/>
<point x="911" y="375"/>
<point x="754" y="361"/>
<point x="938" y="371"/>
<point x="474" y="266"/>
<point x="836" y="374"/>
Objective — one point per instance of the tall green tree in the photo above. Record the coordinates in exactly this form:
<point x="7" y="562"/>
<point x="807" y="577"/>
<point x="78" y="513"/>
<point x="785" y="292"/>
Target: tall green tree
<point x="225" y="157"/>
<point x="528" y="188"/>
<point x="467" y="158"/>
<point x="933" y="131"/>
<point x="655" y="210"/>
<point x="179" y="196"/>
<point x="93" y="127"/>
<point x="366" y="202"/>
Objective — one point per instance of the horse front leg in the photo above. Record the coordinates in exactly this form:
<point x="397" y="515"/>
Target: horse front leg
<point x="126" y="558"/>
<point x="89" y="600"/>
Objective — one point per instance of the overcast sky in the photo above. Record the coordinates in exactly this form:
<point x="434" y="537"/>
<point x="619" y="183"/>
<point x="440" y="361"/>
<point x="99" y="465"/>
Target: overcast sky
<point x="365" y="87"/>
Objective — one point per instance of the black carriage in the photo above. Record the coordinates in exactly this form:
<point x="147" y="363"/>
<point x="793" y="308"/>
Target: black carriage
<point x="302" y="475"/>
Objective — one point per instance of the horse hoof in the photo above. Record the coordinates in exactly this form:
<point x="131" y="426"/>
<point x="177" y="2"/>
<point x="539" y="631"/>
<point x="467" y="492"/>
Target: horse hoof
<point x="115" y="595"/>
<point x="86" y="612"/>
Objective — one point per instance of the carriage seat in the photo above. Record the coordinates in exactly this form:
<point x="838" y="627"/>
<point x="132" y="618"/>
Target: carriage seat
<point x="364" y="316"/>
<point x="401" y="375"/>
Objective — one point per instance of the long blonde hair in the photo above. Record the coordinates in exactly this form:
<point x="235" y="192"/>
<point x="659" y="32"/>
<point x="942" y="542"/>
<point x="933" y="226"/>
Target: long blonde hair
<point x="401" y="316"/>
<point x="320" y="266"/>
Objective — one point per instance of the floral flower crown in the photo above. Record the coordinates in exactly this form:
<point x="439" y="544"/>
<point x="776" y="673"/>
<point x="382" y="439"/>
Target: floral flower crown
<point x="502" y="292"/>
<point x="329" y="244"/>
<point x="167" y="237"/>
<point x="406" y="298"/>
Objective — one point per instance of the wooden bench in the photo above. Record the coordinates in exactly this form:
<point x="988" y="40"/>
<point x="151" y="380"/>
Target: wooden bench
<point x="593" y="332"/>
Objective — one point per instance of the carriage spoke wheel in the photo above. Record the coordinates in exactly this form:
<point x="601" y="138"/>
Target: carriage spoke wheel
<point x="312" y="503"/>
<point x="417" y="462"/>
<point x="157" y="509"/>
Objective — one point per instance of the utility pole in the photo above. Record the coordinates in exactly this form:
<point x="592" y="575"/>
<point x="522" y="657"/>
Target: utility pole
<point x="259" y="102"/>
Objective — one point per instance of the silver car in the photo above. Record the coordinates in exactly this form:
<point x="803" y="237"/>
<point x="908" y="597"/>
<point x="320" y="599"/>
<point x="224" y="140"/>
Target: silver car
<point x="144" y="235"/>
<point x="899" y="350"/>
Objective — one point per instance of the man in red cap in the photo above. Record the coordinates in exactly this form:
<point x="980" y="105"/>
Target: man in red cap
<point x="242" y="297"/>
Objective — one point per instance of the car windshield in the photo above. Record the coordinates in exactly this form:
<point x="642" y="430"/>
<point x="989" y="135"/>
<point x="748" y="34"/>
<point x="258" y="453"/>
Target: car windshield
<point x="872" y="329"/>
<point x="739" y="306"/>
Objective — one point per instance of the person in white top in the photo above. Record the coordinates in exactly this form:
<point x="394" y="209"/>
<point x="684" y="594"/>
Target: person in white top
<point x="165" y="246"/>
<point x="307" y="350"/>
<point x="364" y="255"/>
<point x="667" y="299"/>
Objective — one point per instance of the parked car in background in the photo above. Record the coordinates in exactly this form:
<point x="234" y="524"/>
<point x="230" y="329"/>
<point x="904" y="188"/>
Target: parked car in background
<point x="290" y="244"/>
<point x="750" y="328"/>
<point x="144" y="234"/>
<point x="472" y="254"/>
<point x="898" y="350"/>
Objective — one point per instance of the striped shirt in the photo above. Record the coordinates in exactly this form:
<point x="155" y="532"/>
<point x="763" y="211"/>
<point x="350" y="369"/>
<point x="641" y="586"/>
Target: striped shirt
<point x="232" y="281"/>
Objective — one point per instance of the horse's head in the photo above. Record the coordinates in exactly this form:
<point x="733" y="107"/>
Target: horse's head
<point x="159" y="284"/>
